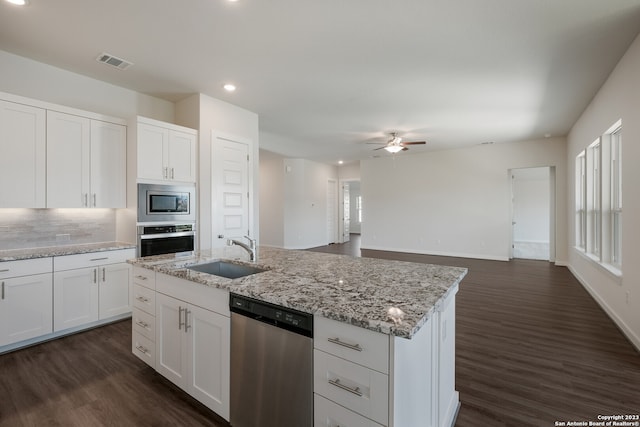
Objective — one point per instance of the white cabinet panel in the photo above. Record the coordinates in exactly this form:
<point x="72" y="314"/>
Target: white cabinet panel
<point x="144" y="299"/>
<point x="360" y="389"/>
<point x="358" y="345"/>
<point x="23" y="159"/>
<point x="152" y="142"/>
<point x="25" y="267"/>
<point x="113" y="295"/>
<point x="209" y="348"/>
<point x="144" y="349"/>
<point x="75" y="297"/>
<point x="171" y="347"/>
<point x="181" y="152"/>
<point x="25" y="308"/>
<point x="108" y="165"/>
<point x="329" y="414"/>
<point x="68" y="160"/>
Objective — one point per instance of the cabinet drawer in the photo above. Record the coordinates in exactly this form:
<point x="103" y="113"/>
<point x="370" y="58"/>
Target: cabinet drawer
<point x="25" y="267"/>
<point x="355" y="387"/>
<point x="358" y="345"/>
<point x="329" y="414"/>
<point x="144" y="277"/>
<point x="144" y="348"/>
<point x="70" y="262"/>
<point x="144" y="323"/>
<point x="144" y="299"/>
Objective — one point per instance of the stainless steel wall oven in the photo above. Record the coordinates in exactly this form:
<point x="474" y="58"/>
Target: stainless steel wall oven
<point x="166" y="239"/>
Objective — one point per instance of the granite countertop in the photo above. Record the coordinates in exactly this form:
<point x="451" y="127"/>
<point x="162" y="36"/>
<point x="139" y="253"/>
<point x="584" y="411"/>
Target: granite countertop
<point x="31" y="253"/>
<point x="358" y="291"/>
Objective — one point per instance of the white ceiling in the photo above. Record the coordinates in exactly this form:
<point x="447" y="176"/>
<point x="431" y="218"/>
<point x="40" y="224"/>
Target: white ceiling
<point x="326" y="76"/>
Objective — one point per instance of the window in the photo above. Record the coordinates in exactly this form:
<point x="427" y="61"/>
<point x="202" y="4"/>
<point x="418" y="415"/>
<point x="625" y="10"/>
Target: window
<point x="616" y="198"/>
<point x="598" y="196"/>
<point x="594" y="221"/>
<point x="359" y="208"/>
<point x="581" y="201"/>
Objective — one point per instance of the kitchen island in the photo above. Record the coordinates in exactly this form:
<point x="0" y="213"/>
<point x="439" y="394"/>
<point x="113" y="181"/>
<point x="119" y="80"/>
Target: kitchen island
<point x="403" y="312"/>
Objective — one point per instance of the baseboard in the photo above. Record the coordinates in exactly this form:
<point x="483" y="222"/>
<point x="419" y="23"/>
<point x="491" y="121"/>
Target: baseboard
<point x="624" y="328"/>
<point x="437" y="253"/>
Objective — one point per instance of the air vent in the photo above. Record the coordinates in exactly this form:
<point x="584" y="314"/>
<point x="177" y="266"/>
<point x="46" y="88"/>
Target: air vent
<point x="114" y="61"/>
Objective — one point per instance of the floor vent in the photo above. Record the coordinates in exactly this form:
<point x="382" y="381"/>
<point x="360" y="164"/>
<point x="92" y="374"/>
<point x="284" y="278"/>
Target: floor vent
<point x="114" y="61"/>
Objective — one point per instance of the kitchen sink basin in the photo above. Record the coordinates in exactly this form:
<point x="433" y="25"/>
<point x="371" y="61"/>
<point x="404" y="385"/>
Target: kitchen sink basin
<point x="226" y="269"/>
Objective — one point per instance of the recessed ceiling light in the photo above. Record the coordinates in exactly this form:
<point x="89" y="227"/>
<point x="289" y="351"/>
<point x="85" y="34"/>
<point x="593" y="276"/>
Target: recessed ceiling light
<point x="340" y="162"/>
<point x="18" y="2"/>
<point x="229" y="87"/>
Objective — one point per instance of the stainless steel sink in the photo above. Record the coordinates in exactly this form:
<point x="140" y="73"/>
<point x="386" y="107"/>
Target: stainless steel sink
<point x="226" y="269"/>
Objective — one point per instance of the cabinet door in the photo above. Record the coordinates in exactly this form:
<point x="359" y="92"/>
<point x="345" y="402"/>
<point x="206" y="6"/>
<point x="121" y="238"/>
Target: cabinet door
<point x="23" y="159"/>
<point x="209" y="358"/>
<point x="181" y="151"/>
<point x="75" y="298"/>
<point x="68" y="160"/>
<point x="171" y="348"/>
<point x="108" y="165"/>
<point x="25" y="308"/>
<point x="152" y="146"/>
<point x="114" y="290"/>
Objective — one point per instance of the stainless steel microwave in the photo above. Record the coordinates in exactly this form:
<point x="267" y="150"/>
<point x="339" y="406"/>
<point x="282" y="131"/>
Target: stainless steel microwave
<point x="166" y="203"/>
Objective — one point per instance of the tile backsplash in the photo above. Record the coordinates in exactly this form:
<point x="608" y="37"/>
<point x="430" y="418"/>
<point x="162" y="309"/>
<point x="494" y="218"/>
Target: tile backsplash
<point x="36" y="228"/>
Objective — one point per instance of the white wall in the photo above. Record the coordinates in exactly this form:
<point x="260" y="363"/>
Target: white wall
<point x="214" y="114"/>
<point x="271" y="199"/>
<point x="619" y="98"/>
<point x="25" y="77"/>
<point x="454" y="202"/>
<point x="305" y="203"/>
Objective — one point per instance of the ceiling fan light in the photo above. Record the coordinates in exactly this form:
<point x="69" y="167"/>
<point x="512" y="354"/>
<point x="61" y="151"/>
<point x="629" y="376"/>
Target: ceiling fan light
<point x="393" y="148"/>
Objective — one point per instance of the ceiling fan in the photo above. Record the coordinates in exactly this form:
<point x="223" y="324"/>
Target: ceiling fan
<point x="395" y="144"/>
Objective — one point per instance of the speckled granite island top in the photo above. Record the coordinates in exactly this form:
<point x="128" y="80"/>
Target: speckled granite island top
<point x="32" y="253"/>
<point x="359" y="291"/>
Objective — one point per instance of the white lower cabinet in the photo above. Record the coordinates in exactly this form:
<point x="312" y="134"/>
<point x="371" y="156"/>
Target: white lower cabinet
<point x="25" y="300"/>
<point x="90" y="287"/>
<point x="364" y="378"/>
<point x="192" y="342"/>
<point x="143" y="318"/>
<point x="329" y="414"/>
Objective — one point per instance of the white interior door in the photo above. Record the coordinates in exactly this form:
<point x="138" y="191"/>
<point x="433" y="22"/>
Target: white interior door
<point x="531" y="213"/>
<point x="332" y="211"/>
<point x="346" y="212"/>
<point x="230" y="186"/>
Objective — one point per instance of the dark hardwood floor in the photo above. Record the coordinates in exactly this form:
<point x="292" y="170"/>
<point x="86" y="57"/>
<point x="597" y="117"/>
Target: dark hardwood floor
<point x="532" y="348"/>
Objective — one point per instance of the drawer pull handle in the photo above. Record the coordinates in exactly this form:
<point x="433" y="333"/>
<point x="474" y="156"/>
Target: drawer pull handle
<point x="338" y="384"/>
<point x="5" y="270"/>
<point x="141" y="277"/>
<point x="99" y="259"/>
<point x="143" y="324"/>
<point x="143" y="350"/>
<point x="142" y="299"/>
<point x="337" y="341"/>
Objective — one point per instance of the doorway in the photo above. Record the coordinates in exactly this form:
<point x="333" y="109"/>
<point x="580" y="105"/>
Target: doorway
<point x="532" y="213"/>
<point x="350" y="209"/>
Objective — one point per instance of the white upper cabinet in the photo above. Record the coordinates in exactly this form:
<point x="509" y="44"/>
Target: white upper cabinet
<point x="108" y="164"/>
<point x="86" y="162"/>
<point x="166" y="152"/>
<point x="22" y="163"/>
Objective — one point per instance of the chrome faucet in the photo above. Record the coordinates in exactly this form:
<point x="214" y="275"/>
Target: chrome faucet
<point x="250" y="248"/>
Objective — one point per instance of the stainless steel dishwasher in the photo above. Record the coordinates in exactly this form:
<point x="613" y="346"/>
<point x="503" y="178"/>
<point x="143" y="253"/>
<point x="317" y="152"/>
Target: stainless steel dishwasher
<point x="271" y="365"/>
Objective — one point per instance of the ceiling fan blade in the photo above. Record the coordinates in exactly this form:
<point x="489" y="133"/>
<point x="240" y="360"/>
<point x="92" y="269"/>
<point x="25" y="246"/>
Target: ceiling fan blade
<point x="413" y="143"/>
<point x="405" y="148"/>
<point x="381" y="148"/>
<point x="376" y="143"/>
